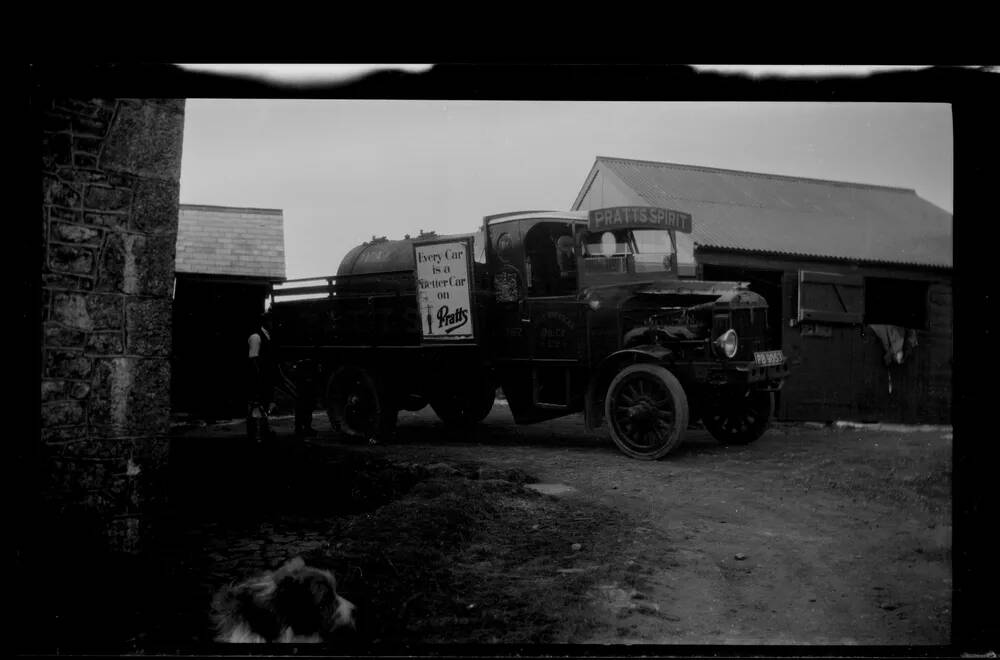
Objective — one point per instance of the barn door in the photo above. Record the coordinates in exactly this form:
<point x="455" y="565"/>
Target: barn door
<point x="822" y="344"/>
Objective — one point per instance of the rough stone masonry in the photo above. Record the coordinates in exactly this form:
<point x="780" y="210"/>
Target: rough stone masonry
<point x="110" y="193"/>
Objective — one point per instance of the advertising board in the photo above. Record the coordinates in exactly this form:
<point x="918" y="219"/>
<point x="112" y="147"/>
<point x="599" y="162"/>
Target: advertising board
<point x="444" y="289"/>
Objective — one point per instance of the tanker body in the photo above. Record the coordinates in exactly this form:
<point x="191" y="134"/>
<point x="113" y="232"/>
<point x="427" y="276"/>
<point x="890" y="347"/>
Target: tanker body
<point x="362" y="331"/>
<point x="569" y="312"/>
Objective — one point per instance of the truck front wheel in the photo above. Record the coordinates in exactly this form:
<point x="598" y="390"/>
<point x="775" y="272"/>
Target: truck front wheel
<point x="357" y="407"/>
<point x="739" y="418"/>
<point x="647" y="411"/>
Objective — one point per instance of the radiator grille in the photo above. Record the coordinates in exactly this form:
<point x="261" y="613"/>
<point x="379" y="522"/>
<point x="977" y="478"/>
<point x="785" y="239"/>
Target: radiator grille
<point x="750" y="326"/>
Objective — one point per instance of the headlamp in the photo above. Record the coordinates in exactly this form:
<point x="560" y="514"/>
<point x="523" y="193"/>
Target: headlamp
<point x="728" y="343"/>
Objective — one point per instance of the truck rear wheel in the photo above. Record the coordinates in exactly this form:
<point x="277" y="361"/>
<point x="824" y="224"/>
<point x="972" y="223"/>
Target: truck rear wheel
<point x="647" y="411"/>
<point x="739" y="418"/>
<point x="467" y="407"/>
<point x="357" y="407"/>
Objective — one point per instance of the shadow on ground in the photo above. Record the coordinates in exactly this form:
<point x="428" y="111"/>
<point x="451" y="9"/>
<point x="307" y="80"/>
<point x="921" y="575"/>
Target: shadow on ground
<point x="562" y="433"/>
<point x="431" y="553"/>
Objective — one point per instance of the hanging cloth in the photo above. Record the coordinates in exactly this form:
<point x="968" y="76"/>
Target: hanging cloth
<point x="893" y="339"/>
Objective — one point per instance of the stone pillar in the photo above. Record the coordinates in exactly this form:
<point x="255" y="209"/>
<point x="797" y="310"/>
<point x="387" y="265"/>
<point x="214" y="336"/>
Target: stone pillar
<point x="110" y="193"/>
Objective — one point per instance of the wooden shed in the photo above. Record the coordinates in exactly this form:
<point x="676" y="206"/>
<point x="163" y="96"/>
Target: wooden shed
<point x="858" y="278"/>
<point x="227" y="260"/>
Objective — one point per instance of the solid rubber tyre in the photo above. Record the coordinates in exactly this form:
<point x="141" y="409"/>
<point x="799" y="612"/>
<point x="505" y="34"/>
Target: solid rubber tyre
<point x="739" y="419"/>
<point x="647" y="411"/>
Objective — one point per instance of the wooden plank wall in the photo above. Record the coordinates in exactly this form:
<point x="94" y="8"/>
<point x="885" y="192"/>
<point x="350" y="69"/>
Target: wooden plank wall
<point x="838" y="372"/>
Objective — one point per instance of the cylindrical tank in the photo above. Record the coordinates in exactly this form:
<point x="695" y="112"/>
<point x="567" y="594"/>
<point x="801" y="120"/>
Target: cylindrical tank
<point x="378" y="256"/>
<point x="376" y="294"/>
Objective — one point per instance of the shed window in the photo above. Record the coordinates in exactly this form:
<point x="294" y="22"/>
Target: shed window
<point x="830" y="297"/>
<point x="896" y="302"/>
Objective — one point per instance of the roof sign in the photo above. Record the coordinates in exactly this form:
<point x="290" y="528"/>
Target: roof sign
<point x="639" y="217"/>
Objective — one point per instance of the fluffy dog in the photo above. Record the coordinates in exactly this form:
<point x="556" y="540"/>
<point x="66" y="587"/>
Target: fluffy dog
<point x="294" y="604"/>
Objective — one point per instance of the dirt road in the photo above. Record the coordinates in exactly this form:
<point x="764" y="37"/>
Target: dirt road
<point x="809" y="536"/>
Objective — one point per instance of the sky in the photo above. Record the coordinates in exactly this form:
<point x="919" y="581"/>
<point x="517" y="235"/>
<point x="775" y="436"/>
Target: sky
<point x="343" y="171"/>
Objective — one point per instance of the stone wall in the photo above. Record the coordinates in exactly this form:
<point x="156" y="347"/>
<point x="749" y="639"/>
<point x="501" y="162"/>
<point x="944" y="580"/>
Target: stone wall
<point x="110" y="193"/>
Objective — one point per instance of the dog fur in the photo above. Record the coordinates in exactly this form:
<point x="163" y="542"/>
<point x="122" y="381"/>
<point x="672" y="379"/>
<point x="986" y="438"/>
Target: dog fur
<point x="294" y="604"/>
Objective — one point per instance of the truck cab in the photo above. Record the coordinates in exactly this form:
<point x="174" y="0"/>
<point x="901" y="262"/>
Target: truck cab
<point x="580" y="296"/>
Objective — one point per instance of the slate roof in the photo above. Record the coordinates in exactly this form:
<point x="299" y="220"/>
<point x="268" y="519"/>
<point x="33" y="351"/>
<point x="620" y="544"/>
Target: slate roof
<point x="792" y="215"/>
<point x="225" y="240"/>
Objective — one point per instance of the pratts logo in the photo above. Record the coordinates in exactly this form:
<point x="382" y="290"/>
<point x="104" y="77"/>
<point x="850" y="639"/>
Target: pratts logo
<point x="639" y="217"/>
<point x="450" y="321"/>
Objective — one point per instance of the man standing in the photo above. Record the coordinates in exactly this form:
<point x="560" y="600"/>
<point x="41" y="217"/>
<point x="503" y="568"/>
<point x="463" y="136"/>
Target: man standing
<point x="261" y="378"/>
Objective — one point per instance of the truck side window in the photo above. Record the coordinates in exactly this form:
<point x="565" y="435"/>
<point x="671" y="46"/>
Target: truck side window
<point x="565" y="256"/>
<point x="550" y="259"/>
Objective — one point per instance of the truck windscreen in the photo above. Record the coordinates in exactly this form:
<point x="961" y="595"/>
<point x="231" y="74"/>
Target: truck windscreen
<point x="629" y="250"/>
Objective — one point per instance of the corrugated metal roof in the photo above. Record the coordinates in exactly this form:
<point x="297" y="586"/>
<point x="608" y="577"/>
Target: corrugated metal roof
<point x="226" y="240"/>
<point x="791" y="215"/>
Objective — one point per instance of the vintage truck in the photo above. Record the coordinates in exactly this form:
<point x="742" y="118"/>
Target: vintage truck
<point x="565" y="311"/>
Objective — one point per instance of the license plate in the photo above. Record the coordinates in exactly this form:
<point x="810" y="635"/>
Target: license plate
<point x="768" y="358"/>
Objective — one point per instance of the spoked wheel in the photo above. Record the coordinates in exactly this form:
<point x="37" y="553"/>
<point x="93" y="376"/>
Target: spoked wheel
<point x="647" y="411"/>
<point x="465" y="407"/>
<point x="357" y="407"/>
<point x="739" y="418"/>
